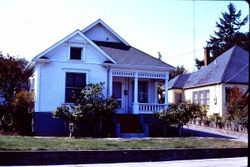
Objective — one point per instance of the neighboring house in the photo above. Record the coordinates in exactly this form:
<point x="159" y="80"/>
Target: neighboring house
<point x="175" y="87"/>
<point x="211" y="84"/>
<point x="95" y="54"/>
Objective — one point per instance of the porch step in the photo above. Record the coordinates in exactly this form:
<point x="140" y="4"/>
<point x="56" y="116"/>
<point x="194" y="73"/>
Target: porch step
<point x="132" y="135"/>
<point x="129" y="123"/>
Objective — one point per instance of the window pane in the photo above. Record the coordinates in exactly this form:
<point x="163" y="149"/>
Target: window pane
<point x="143" y="92"/>
<point x="228" y="92"/>
<point x="79" y="80"/>
<point x="69" y="79"/>
<point x="195" y="97"/>
<point x="74" y="84"/>
<point x="117" y="87"/>
<point x="69" y="95"/>
<point x="75" y="53"/>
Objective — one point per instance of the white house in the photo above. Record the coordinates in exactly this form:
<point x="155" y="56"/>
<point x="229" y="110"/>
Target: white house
<point x="211" y="84"/>
<point x="95" y="54"/>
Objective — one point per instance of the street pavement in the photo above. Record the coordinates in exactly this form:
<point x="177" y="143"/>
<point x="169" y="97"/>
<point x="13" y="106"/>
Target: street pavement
<point x="220" y="162"/>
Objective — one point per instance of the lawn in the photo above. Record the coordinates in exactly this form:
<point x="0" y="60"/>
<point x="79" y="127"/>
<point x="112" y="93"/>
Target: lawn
<point x="63" y="143"/>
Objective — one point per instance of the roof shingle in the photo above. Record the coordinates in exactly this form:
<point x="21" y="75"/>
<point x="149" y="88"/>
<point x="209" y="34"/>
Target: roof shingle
<point x="128" y="55"/>
<point x="230" y="67"/>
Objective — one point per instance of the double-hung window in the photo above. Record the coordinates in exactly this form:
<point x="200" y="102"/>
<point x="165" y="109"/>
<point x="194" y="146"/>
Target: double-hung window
<point x="74" y="84"/>
<point x="202" y="97"/>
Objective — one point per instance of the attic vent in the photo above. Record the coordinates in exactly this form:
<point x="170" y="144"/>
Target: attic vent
<point x="107" y="39"/>
<point x="108" y="61"/>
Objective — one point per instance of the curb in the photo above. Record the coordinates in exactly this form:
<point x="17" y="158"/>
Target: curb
<point x="101" y="156"/>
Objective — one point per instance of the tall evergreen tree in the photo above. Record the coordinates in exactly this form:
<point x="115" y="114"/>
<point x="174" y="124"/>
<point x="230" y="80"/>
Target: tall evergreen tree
<point x="228" y="34"/>
<point x="178" y="71"/>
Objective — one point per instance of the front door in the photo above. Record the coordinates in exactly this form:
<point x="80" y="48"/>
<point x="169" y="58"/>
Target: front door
<point x="118" y="94"/>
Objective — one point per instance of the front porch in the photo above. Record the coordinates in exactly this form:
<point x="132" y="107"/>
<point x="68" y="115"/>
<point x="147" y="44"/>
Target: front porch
<point x="137" y="91"/>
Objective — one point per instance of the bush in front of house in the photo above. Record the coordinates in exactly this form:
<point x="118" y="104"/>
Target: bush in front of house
<point x="237" y="109"/>
<point x="92" y="108"/>
<point x="180" y="114"/>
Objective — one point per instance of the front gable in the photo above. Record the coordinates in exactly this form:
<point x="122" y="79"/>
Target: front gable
<point x="60" y="51"/>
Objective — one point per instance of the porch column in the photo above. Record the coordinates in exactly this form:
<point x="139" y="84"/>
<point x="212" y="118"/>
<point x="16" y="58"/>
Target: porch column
<point x="136" y="105"/>
<point x="166" y="92"/>
<point x="110" y="83"/>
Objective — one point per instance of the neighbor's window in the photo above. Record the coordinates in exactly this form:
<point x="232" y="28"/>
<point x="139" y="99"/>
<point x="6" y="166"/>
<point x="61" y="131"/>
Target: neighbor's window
<point x="202" y="97"/>
<point x="74" y="84"/>
<point x="75" y="53"/>
<point x="227" y="94"/>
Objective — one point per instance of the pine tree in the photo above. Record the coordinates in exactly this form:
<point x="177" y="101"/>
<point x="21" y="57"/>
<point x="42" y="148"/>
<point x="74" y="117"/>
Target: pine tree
<point x="178" y="71"/>
<point x="228" y="34"/>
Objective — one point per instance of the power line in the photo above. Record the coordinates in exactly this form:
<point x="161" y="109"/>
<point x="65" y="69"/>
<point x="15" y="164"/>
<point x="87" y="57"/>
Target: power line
<point x="184" y="54"/>
<point x="237" y="73"/>
<point x="194" y="28"/>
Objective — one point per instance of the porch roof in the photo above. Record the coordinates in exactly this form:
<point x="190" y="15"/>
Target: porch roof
<point x="128" y="55"/>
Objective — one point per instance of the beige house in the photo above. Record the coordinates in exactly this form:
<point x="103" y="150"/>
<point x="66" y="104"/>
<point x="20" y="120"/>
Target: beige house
<point x="211" y="84"/>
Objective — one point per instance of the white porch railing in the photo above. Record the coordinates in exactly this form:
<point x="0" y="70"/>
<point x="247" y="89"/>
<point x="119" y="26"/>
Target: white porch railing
<point x="150" y="107"/>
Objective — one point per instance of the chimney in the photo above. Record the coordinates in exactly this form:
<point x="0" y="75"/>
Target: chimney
<point x="206" y="56"/>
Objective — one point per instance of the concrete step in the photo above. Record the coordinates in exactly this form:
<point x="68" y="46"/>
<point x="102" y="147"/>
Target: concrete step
<point x="129" y="123"/>
<point x="132" y="135"/>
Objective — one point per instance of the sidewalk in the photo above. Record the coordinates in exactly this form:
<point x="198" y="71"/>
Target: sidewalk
<point x="222" y="162"/>
<point x="213" y="132"/>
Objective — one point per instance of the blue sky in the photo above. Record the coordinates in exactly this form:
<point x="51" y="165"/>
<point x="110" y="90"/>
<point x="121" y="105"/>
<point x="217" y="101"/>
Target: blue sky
<point x="167" y="26"/>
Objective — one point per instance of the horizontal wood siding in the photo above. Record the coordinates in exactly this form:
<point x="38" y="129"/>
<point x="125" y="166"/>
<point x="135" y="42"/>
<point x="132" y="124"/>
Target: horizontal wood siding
<point x="51" y="83"/>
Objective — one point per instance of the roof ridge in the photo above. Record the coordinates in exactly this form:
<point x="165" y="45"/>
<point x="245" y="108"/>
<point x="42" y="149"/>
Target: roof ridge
<point x="237" y="73"/>
<point x="230" y="59"/>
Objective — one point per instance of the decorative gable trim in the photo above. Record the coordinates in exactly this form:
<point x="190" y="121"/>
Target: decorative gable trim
<point x="99" y="21"/>
<point x="77" y="32"/>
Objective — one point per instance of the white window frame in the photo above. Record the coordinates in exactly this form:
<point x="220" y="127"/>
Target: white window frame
<point x="202" y="97"/>
<point x="68" y="70"/>
<point x="77" y="45"/>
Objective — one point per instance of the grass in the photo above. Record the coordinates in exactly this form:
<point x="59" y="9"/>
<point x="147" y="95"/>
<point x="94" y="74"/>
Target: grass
<point x="63" y="143"/>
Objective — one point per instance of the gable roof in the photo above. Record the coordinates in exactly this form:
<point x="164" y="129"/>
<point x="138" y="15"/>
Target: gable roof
<point x="130" y="56"/>
<point x="120" y="54"/>
<point x="178" y="82"/>
<point x="230" y="67"/>
<point x="99" y="21"/>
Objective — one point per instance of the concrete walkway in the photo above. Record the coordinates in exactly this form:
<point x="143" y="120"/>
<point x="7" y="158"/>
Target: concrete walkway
<point x="222" y="162"/>
<point x="203" y="131"/>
